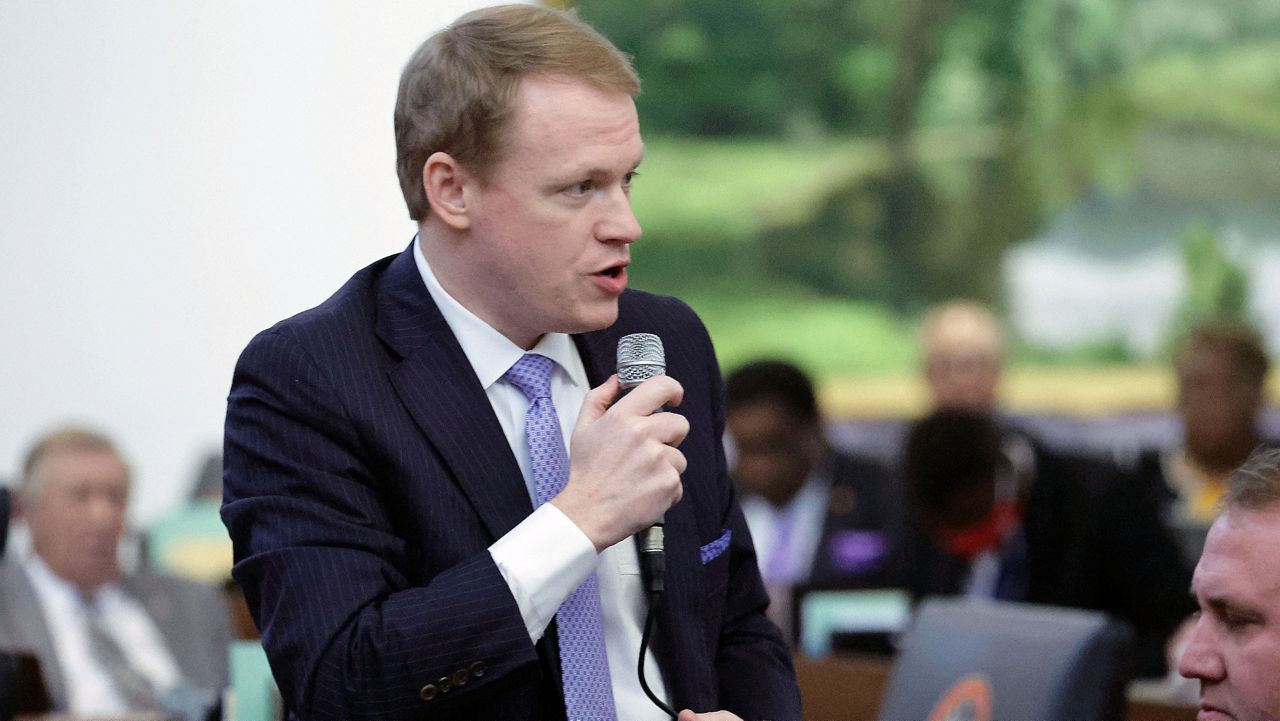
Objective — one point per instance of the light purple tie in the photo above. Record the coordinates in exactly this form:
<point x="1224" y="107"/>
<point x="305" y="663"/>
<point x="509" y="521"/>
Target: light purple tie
<point x="780" y="569"/>
<point x="584" y="664"/>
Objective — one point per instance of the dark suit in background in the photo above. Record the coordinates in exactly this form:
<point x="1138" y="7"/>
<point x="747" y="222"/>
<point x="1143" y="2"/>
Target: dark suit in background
<point x="366" y="476"/>
<point x="1093" y="540"/>
<point x="865" y="517"/>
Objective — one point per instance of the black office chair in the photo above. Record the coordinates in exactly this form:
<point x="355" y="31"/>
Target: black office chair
<point x="5" y="510"/>
<point x="8" y="662"/>
<point x="981" y="660"/>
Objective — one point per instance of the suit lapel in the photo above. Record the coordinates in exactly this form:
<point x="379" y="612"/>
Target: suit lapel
<point x="439" y="388"/>
<point x="31" y="631"/>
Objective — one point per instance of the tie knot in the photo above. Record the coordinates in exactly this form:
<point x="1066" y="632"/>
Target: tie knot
<point x="532" y="375"/>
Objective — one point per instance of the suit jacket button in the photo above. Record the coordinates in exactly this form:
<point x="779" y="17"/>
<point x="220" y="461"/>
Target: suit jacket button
<point x="428" y="692"/>
<point x="461" y="677"/>
<point x="445" y="684"/>
<point x="477" y="669"/>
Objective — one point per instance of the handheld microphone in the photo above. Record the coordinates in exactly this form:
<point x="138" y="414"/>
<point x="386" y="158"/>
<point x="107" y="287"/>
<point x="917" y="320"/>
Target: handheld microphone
<point x="641" y="357"/>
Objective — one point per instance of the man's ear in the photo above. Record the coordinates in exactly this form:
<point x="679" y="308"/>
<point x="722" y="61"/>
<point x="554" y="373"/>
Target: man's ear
<point x="445" y="181"/>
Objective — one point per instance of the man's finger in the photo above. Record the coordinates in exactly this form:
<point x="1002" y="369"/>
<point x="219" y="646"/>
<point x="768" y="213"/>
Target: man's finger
<point x="597" y="401"/>
<point x="669" y="428"/>
<point x="651" y="395"/>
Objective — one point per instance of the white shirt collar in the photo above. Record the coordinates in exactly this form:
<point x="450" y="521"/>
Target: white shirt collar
<point x="491" y="353"/>
<point x="59" y="590"/>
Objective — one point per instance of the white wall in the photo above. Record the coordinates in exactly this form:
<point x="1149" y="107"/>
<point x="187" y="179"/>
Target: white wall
<point x="176" y="175"/>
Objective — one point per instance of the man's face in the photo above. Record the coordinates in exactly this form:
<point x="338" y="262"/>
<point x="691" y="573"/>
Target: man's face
<point x="775" y="452"/>
<point x="1218" y="406"/>
<point x="963" y="379"/>
<point x="550" y="231"/>
<point x="77" y="514"/>
<point x="1234" y="648"/>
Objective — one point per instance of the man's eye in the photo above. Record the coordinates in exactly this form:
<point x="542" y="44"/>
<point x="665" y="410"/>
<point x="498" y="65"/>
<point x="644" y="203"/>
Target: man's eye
<point x="628" y="179"/>
<point x="580" y="189"/>
<point x="1236" y="621"/>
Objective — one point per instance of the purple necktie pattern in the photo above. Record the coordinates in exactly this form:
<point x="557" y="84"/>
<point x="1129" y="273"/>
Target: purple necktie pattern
<point x="584" y="663"/>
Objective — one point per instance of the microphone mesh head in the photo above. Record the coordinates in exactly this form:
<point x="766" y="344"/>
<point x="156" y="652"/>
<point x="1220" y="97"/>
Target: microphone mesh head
<point x="640" y="357"/>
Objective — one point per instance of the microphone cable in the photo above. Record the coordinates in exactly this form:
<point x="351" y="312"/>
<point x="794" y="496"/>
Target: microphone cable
<point x="641" y="357"/>
<point x="655" y="598"/>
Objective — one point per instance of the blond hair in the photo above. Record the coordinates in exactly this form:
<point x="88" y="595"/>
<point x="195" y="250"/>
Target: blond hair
<point x="1255" y="485"/>
<point x="457" y="91"/>
<point x="62" y="438"/>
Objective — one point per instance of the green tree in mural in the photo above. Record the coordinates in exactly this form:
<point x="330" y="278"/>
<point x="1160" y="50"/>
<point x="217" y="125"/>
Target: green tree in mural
<point x="1217" y="285"/>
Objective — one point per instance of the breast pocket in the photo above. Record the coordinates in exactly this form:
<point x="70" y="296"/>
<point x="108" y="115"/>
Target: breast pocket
<point x="714" y="556"/>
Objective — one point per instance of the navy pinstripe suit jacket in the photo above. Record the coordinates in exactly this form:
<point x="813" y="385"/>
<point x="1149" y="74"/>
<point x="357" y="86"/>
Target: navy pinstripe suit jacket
<point x="366" y="475"/>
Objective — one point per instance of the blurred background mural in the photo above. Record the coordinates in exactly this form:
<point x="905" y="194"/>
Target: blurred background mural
<point x="818" y="172"/>
<point x="1104" y="172"/>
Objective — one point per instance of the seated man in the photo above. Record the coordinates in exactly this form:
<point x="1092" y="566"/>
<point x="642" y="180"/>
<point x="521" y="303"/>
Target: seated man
<point x="1221" y="371"/>
<point x="816" y="515"/>
<point x="109" y="643"/>
<point x="1234" y="647"/>
<point x="962" y="349"/>
<point x="1073" y="535"/>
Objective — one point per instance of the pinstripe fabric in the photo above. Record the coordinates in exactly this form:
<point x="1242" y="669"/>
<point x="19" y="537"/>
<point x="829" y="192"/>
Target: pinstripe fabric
<point x="366" y="475"/>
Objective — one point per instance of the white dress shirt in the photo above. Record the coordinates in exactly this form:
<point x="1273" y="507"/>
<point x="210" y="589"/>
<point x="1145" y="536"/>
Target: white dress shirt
<point x="89" y="687"/>
<point x="547" y="556"/>
<point x="788" y="562"/>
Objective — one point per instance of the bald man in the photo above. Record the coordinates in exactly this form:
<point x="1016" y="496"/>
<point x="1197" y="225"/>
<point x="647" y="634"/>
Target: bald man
<point x="963" y="349"/>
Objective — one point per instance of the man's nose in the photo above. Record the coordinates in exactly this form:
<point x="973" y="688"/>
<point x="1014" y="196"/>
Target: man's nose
<point x="619" y="224"/>
<point x="1199" y="658"/>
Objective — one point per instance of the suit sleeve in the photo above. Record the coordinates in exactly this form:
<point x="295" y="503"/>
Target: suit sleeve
<point x="753" y="663"/>
<point x="325" y="574"/>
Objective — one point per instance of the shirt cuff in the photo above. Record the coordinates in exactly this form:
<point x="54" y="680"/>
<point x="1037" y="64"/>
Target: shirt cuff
<point x="543" y="559"/>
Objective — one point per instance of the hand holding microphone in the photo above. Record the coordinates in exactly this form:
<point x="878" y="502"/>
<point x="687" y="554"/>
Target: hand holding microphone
<point x="624" y="467"/>
<point x="641" y="357"/>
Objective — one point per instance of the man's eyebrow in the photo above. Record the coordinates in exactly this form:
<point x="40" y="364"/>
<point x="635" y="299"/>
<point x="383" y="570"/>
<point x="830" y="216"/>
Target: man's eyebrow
<point x="1222" y="604"/>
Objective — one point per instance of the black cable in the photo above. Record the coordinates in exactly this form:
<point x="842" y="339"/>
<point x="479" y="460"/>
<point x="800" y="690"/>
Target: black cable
<point x="655" y="597"/>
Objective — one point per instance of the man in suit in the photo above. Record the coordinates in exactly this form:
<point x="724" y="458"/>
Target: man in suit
<point x="1233" y="649"/>
<point x="410" y="536"/>
<point x="817" y="516"/>
<point x="1222" y="372"/>
<point x="108" y="642"/>
<point x="1075" y="535"/>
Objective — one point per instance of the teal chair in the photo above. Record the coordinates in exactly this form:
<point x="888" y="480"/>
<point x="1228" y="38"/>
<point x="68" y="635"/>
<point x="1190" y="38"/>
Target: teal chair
<point x="253" y="695"/>
<point x="191" y="542"/>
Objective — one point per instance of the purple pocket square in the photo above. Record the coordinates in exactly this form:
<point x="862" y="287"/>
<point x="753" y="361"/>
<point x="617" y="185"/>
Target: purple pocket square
<point x="856" y="551"/>
<point x="712" y="550"/>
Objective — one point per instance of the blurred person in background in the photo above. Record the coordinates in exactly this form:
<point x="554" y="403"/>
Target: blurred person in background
<point x="817" y="516"/>
<point x="962" y="345"/>
<point x="1221" y="373"/>
<point x="1074" y="535"/>
<point x="962" y="349"/>
<point x="1233" y="649"/>
<point x="108" y="642"/>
